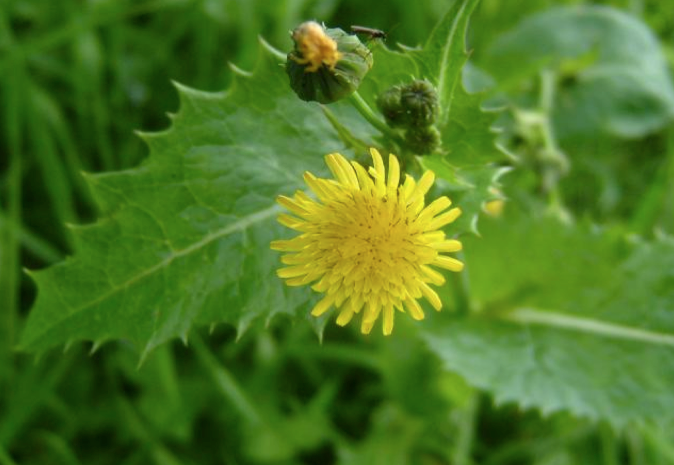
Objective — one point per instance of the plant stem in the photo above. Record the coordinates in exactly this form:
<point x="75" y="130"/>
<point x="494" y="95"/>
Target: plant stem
<point x="31" y="241"/>
<point x="226" y="383"/>
<point x="9" y="240"/>
<point x="635" y="447"/>
<point x="461" y="455"/>
<point x="609" y="446"/>
<point x="366" y="112"/>
<point x="555" y="163"/>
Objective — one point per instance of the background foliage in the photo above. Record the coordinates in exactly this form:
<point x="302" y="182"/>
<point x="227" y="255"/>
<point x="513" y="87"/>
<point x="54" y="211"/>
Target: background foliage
<point x="560" y="352"/>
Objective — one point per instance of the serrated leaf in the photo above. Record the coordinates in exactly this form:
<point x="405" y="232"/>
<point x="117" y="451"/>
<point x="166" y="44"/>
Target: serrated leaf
<point x="573" y="319"/>
<point x="184" y="238"/>
<point x="616" y="78"/>
<point x="444" y="55"/>
<point x="468" y="164"/>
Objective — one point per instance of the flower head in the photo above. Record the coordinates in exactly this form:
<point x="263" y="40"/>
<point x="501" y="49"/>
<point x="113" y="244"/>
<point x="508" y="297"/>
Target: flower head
<point x="315" y="47"/>
<point x="368" y="243"/>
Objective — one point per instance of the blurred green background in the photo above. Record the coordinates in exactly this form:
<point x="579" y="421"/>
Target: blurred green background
<point x="76" y="79"/>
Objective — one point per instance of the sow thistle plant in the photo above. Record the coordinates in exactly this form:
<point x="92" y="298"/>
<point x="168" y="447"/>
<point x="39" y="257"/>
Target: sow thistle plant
<point x="547" y="311"/>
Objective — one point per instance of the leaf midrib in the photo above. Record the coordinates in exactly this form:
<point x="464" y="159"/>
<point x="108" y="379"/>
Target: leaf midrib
<point x="239" y="225"/>
<point x="445" y="55"/>
<point x="555" y="319"/>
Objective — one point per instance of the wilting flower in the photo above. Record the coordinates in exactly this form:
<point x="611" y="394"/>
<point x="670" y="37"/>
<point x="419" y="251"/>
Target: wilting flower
<point x="368" y="243"/>
<point x="315" y="47"/>
<point x="326" y="64"/>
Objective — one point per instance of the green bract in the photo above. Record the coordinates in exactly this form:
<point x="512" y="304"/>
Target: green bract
<point x="423" y="140"/>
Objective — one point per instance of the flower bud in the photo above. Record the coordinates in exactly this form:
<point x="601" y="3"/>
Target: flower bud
<point x="419" y="100"/>
<point x="411" y="105"/>
<point x="326" y="64"/>
<point x="390" y="106"/>
<point x="423" y="140"/>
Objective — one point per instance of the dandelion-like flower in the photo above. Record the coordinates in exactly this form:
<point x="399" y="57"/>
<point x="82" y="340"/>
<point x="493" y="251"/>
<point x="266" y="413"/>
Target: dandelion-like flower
<point x="368" y="243"/>
<point x="315" y="47"/>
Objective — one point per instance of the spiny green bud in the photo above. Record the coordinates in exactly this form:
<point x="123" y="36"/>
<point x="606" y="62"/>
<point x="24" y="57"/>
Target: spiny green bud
<point x="389" y="105"/>
<point x="423" y="140"/>
<point x="419" y="100"/>
<point x="409" y="105"/>
<point x="326" y="64"/>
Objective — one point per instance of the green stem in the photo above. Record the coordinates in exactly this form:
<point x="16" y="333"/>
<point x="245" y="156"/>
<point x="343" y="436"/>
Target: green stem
<point x="366" y="112"/>
<point x="461" y="455"/>
<point x="226" y="383"/>
<point x="553" y="159"/>
<point x="609" y="445"/>
<point x="635" y="447"/>
<point x="31" y="241"/>
<point x="658" y="441"/>
<point x="9" y="240"/>
<point x="160" y="454"/>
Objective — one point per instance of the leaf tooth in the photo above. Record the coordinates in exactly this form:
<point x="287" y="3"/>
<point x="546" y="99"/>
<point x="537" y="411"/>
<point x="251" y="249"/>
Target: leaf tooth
<point x="68" y="345"/>
<point x="241" y="327"/>
<point x="238" y="71"/>
<point x="144" y="354"/>
<point x="96" y="345"/>
<point x="270" y="49"/>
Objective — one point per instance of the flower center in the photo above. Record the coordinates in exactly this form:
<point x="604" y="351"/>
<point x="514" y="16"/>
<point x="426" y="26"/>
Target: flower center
<point x="371" y="236"/>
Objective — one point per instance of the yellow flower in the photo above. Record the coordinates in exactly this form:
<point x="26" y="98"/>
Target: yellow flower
<point x="315" y="47"/>
<point x="368" y="243"/>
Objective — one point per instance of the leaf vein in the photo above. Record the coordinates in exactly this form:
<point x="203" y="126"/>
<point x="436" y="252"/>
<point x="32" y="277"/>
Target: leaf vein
<point x="588" y="325"/>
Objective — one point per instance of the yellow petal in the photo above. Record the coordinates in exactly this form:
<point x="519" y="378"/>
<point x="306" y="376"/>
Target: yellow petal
<point x="393" y="173"/>
<point x="345" y="316"/>
<point x="430" y="295"/>
<point x="324" y="305"/>
<point x="414" y="308"/>
<point x="450" y="245"/>
<point x="448" y="263"/>
<point x="444" y="219"/>
<point x="388" y="320"/>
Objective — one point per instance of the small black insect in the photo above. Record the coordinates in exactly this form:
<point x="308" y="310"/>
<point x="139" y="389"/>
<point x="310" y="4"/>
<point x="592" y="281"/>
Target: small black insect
<point x="371" y="32"/>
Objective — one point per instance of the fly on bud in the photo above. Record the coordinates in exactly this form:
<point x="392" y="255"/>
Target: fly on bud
<point x="370" y="32"/>
<point x="326" y="65"/>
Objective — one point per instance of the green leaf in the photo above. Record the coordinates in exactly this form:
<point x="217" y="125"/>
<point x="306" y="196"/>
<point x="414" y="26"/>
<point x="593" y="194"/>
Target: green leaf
<point x="570" y="318"/>
<point x="468" y="164"/>
<point x="184" y="238"/>
<point x="613" y="75"/>
<point x="444" y="55"/>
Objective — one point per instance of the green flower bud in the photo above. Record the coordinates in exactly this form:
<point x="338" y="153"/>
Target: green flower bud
<point x="410" y="105"/>
<point x="419" y="100"/>
<point x="389" y="105"/>
<point x="326" y="64"/>
<point x="423" y="140"/>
